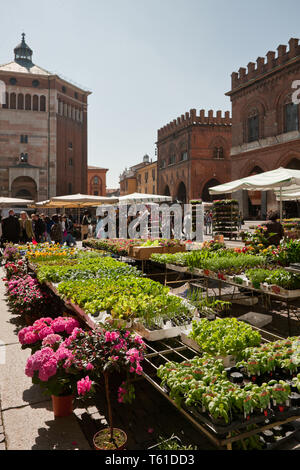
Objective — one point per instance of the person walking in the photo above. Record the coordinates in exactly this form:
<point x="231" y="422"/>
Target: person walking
<point x="38" y="228"/>
<point x="26" y="230"/>
<point x="67" y="228"/>
<point x="10" y="228"/>
<point x="48" y="225"/>
<point x="275" y="231"/>
<point x="86" y="221"/>
<point x="56" y="230"/>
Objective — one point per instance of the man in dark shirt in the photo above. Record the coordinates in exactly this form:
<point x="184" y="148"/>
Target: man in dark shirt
<point x="38" y="228"/>
<point x="10" y="228"/>
<point x="275" y="228"/>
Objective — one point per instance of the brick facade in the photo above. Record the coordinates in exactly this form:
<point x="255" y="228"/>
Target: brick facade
<point x="96" y="179"/>
<point x="194" y="154"/>
<point x="265" y="126"/>
<point x="43" y="132"/>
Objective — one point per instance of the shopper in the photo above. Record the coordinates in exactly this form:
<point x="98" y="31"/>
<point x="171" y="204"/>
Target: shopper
<point x="67" y="228"/>
<point x="86" y="221"/>
<point x="48" y="225"/>
<point x="274" y="229"/>
<point x="56" y="230"/>
<point x="38" y="228"/>
<point x="26" y="229"/>
<point x="10" y="228"/>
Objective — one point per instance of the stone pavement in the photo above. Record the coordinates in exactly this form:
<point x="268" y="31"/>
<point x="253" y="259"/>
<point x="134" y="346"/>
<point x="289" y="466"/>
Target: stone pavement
<point x="26" y="417"/>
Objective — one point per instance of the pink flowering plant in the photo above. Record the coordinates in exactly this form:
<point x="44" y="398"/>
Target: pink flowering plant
<point x="108" y="350"/>
<point x="47" y="332"/>
<point x="57" y="369"/>
<point x="15" y="268"/>
<point x="26" y="296"/>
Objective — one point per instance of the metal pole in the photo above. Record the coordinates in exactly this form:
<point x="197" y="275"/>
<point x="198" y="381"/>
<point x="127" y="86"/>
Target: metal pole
<point x="281" y="204"/>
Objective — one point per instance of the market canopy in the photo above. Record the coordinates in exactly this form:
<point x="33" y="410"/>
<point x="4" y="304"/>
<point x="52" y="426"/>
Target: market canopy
<point x="275" y="179"/>
<point x="11" y="201"/>
<point x="136" y="198"/>
<point x="76" y="200"/>
<point x="289" y="195"/>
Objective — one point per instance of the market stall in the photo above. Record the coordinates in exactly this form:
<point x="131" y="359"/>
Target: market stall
<point x="278" y="180"/>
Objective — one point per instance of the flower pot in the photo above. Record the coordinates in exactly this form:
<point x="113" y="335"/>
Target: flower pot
<point x="62" y="406"/>
<point x="101" y="440"/>
<point x="28" y="320"/>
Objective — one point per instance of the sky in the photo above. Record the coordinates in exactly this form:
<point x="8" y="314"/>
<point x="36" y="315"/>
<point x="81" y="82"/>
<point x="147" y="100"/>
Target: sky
<point x="145" y="61"/>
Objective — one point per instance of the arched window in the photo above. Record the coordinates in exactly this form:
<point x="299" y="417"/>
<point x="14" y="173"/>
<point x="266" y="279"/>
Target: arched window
<point x="167" y="191"/>
<point x="6" y="104"/>
<point x="13" y="101"/>
<point x="20" y="101"/>
<point x="218" y="153"/>
<point x="253" y="125"/>
<point x="42" y="103"/>
<point x="96" y="180"/>
<point x="291" y="120"/>
<point x="35" y="103"/>
<point x="28" y="102"/>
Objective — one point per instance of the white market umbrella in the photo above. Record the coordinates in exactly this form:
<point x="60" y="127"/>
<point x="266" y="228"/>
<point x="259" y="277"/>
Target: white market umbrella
<point x="136" y="198"/>
<point x="76" y="201"/>
<point x="11" y="201"/>
<point x="279" y="179"/>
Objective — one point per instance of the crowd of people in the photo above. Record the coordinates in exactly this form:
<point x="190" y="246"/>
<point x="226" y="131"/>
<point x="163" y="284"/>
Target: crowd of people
<point x="38" y="228"/>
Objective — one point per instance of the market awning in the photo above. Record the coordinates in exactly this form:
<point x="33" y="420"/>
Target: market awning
<point x="11" y="201"/>
<point x="76" y="201"/>
<point x="275" y="179"/>
<point x="136" y="198"/>
<point x="279" y="180"/>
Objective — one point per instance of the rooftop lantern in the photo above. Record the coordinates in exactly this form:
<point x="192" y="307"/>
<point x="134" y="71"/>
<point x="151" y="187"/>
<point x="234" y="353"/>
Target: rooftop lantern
<point x="23" y="53"/>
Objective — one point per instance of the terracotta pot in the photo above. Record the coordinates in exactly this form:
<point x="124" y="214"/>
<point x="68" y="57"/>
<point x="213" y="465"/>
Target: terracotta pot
<point x="62" y="406"/>
<point x="122" y="447"/>
<point x="28" y="320"/>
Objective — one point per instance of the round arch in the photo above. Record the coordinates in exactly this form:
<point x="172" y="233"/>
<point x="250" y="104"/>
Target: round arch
<point x="24" y="187"/>
<point x="206" y="197"/>
<point x="181" y="193"/>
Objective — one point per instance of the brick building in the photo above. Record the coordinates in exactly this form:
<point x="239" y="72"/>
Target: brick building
<point x="265" y="123"/>
<point x="43" y="131"/>
<point x="139" y="178"/>
<point x="194" y="154"/>
<point x="96" y="181"/>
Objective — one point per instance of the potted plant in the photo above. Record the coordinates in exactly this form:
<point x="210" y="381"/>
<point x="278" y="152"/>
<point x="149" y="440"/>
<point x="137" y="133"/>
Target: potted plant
<point x="55" y="369"/>
<point x="109" y="350"/>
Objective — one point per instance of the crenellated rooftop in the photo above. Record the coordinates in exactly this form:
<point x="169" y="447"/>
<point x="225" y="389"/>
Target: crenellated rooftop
<point x="265" y="65"/>
<point x="191" y="118"/>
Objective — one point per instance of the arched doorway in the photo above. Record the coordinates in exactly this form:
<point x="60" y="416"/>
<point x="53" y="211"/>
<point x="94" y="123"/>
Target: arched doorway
<point x="292" y="208"/>
<point x="24" y="187"/>
<point x="181" y="193"/>
<point x="206" y="197"/>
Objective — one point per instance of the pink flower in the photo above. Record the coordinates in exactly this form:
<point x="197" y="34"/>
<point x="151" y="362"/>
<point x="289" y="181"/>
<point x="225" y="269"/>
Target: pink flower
<point x="51" y="340"/>
<point x="89" y="366"/>
<point x="46" y="331"/>
<point x="84" y="386"/>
